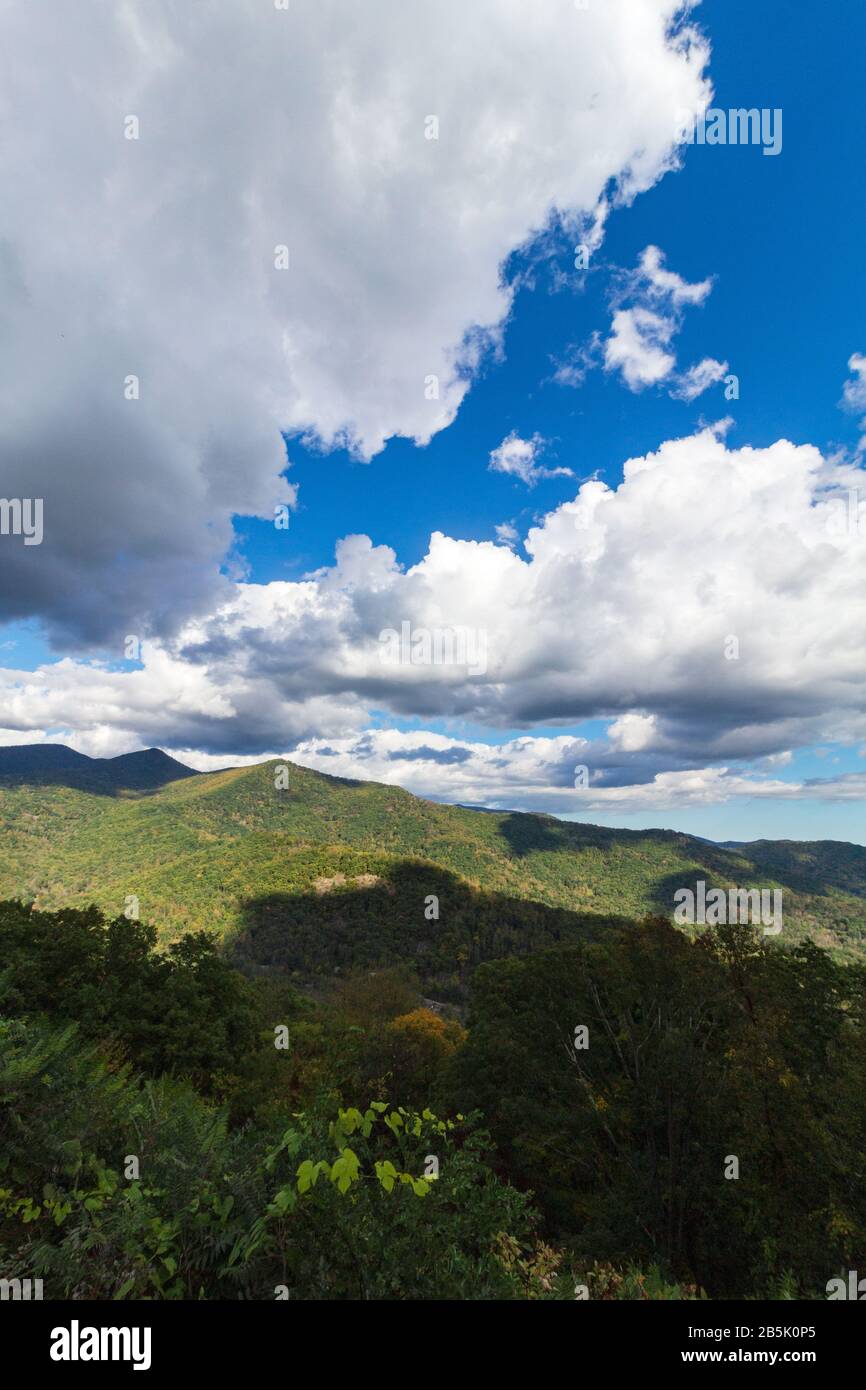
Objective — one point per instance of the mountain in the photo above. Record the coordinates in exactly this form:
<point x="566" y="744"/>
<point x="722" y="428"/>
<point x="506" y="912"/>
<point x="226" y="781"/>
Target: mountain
<point x="53" y="764"/>
<point x="329" y="873"/>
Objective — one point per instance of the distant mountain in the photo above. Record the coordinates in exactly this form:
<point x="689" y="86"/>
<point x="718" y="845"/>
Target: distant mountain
<point x="54" y="764"/>
<point x="328" y="873"/>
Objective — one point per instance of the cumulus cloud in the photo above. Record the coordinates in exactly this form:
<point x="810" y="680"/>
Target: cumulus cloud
<point x="633" y="732"/>
<point x="167" y="702"/>
<point x="641" y="333"/>
<point x="519" y="458"/>
<point x="275" y="221"/>
<point x="637" y="347"/>
<point x="708" y="608"/>
<point x="538" y="774"/>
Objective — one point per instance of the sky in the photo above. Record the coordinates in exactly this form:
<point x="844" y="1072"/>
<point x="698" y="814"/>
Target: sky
<point x="405" y="394"/>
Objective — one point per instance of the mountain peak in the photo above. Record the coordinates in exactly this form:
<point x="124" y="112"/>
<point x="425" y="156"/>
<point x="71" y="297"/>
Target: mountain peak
<point x="59" y="765"/>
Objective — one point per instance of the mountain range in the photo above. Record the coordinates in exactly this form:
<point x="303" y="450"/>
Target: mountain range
<point x="54" y="764"/>
<point x="325" y="873"/>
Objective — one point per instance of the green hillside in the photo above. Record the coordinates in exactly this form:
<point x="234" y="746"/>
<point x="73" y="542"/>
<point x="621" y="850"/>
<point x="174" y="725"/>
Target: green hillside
<point x="327" y="873"/>
<point x="561" y="1164"/>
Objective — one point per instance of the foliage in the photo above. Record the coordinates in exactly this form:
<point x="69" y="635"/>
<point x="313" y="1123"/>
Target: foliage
<point x="336" y="1208"/>
<point x="605" y="1282"/>
<point x="172" y="1128"/>
<point x="183" y="1010"/>
<point x="697" y="1053"/>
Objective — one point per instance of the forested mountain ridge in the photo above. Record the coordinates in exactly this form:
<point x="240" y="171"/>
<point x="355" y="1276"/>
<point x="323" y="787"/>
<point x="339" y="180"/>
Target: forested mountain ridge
<point x="234" y="852"/>
<point x="53" y="764"/>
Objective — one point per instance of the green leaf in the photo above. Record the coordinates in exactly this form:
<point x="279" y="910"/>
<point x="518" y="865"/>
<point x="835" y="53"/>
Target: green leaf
<point x="344" y="1171"/>
<point x="307" y="1174"/>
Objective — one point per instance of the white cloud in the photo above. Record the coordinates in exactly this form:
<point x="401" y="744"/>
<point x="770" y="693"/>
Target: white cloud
<point x="538" y="773"/>
<point x="519" y="458"/>
<point x="633" y="732"/>
<point x="639" y="345"/>
<point x="261" y="128"/>
<point x="658" y="283"/>
<point x="625" y="608"/>
<point x="579" y="359"/>
<point x="507" y="534"/>
<point x="699" y="379"/>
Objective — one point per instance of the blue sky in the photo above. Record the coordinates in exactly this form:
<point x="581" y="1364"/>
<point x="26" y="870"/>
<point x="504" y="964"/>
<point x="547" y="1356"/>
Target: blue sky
<point x="781" y="238"/>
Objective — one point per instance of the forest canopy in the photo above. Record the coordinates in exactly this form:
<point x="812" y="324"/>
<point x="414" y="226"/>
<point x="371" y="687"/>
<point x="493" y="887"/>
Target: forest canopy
<point x="638" y="1116"/>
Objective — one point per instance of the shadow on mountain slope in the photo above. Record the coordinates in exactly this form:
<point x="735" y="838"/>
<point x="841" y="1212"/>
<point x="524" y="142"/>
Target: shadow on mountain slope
<point x="817" y="868"/>
<point x="525" y="833"/>
<point x="370" y="922"/>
